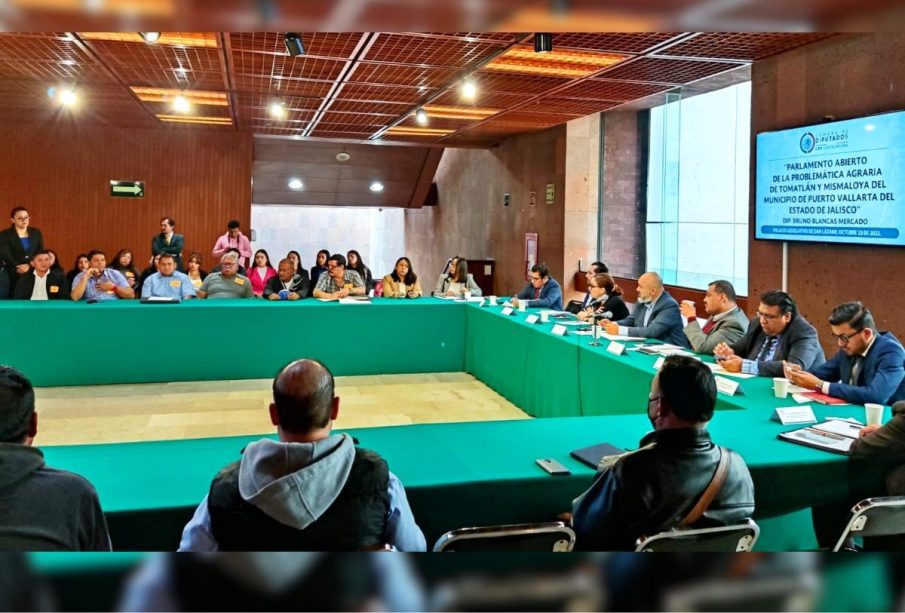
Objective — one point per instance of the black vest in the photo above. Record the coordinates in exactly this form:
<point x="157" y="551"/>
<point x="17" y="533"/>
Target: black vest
<point x="355" y="520"/>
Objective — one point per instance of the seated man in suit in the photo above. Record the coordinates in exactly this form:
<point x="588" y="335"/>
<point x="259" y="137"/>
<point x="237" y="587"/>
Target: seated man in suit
<point x="777" y="333"/>
<point x="168" y="282"/>
<point x="311" y="490"/>
<point x="869" y="367"/>
<point x="726" y="323"/>
<point x="100" y="283"/>
<point x="293" y="286"/>
<point x="656" y="315"/>
<point x="43" y="283"/>
<point x="542" y="291"/>
<point x="656" y="487"/>
<point x="43" y="508"/>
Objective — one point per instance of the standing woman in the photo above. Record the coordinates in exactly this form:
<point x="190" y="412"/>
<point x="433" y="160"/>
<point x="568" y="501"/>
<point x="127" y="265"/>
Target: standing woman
<point x="18" y="245"/>
<point x="123" y="263"/>
<point x="320" y="266"/>
<point x="168" y="241"/>
<point x="402" y="282"/>
<point x="355" y="263"/>
<point x="261" y="272"/>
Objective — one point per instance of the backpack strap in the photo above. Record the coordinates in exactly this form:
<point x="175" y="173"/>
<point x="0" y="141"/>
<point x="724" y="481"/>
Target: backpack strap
<point x="716" y="484"/>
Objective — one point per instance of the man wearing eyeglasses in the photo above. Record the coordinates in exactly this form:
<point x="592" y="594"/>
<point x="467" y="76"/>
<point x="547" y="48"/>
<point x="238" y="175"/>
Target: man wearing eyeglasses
<point x="227" y="283"/>
<point x="777" y="333"/>
<point x="338" y="282"/>
<point x="542" y="290"/>
<point x="869" y="367"/>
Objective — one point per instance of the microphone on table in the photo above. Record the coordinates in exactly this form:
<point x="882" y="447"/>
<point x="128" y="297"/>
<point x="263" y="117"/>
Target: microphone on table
<point x="604" y="315"/>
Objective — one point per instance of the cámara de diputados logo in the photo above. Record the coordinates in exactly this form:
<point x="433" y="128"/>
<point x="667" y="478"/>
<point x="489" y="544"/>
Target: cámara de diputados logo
<point x="807" y="142"/>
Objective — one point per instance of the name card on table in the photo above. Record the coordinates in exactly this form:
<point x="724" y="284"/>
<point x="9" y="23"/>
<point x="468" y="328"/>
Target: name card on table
<point x="659" y="363"/>
<point x="725" y="386"/>
<point x="794" y="415"/>
<point x="615" y="348"/>
<point x="507" y="311"/>
<point x="559" y="330"/>
<point x="532" y="319"/>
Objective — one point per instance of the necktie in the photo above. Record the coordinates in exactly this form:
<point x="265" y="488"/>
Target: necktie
<point x="856" y="370"/>
<point x="536" y="294"/>
<point x="709" y="326"/>
<point x="167" y="239"/>
<point x="766" y="349"/>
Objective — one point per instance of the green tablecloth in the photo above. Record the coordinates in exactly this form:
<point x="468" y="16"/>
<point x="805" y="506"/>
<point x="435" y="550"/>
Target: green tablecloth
<point x="69" y="343"/>
<point x="458" y="474"/>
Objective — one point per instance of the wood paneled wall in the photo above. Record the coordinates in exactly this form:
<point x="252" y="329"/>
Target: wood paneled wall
<point x="845" y="77"/>
<point x="61" y="173"/>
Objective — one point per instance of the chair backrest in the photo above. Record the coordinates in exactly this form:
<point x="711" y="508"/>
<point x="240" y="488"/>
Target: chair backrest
<point x="875" y="517"/>
<point x="552" y="536"/>
<point x="737" y="537"/>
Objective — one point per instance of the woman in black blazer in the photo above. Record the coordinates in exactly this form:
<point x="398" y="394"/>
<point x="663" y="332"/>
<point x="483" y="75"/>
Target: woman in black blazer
<point x="19" y="244"/>
<point x="606" y="296"/>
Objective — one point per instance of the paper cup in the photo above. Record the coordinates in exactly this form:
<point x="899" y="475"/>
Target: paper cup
<point x="522" y="306"/>
<point x="491" y="300"/>
<point x="545" y="317"/>
<point x="873" y="414"/>
<point x="780" y="387"/>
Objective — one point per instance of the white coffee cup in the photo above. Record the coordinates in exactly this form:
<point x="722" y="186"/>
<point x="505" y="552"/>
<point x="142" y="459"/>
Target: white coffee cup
<point x="544" y="317"/>
<point x="780" y="387"/>
<point x="522" y="306"/>
<point x="874" y="414"/>
<point x="491" y="300"/>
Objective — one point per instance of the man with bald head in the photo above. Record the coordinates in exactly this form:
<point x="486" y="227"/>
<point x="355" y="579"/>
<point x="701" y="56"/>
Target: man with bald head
<point x="656" y="314"/>
<point x="310" y="490"/>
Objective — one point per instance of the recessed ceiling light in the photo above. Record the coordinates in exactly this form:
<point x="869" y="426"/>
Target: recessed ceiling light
<point x="296" y="184"/>
<point x="150" y="37"/>
<point x="182" y="70"/>
<point x="277" y="110"/>
<point x="421" y="117"/>
<point x="68" y="62"/>
<point x="68" y="98"/>
<point x="469" y="89"/>
<point x="376" y="186"/>
<point x="181" y="104"/>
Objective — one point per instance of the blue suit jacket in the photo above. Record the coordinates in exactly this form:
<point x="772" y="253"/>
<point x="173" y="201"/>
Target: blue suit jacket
<point x="550" y="296"/>
<point x="882" y="376"/>
<point x="665" y="322"/>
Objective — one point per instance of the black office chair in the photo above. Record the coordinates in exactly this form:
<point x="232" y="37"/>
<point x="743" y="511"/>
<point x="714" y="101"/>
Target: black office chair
<point x="734" y="538"/>
<point x="875" y="517"/>
<point x="552" y="536"/>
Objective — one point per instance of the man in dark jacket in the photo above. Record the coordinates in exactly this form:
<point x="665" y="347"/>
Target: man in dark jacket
<point x="41" y="508"/>
<point x="309" y="491"/>
<point x="777" y="333"/>
<point x="287" y="285"/>
<point x="43" y="283"/>
<point x="655" y="316"/>
<point x="655" y="487"/>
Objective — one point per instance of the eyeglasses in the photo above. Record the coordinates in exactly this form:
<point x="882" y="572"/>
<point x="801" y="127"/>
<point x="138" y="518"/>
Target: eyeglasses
<point x="533" y="278"/>
<point x="333" y="266"/>
<point x="843" y="339"/>
<point x="768" y="316"/>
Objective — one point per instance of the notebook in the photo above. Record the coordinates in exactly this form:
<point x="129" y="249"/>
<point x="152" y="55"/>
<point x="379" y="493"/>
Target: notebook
<point x="823" y="398"/>
<point x="593" y="454"/>
<point x="836" y="436"/>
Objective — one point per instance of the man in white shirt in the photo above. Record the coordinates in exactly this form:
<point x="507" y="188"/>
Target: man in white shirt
<point x="43" y="283"/>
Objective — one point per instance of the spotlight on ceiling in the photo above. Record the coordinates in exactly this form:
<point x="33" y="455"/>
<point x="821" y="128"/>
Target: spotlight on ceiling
<point x="150" y="37"/>
<point x="421" y="117"/>
<point x="543" y="42"/>
<point x="181" y="104"/>
<point x="296" y="184"/>
<point x="376" y="186"/>
<point x="277" y="110"/>
<point x="68" y="97"/>
<point x="294" y="44"/>
<point x="469" y="89"/>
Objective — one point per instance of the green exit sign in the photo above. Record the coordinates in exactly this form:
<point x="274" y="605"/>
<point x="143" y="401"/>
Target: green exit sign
<point x="127" y="189"/>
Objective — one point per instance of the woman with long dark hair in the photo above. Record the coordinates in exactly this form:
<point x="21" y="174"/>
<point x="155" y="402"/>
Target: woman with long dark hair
<point x="81" y="264"/>
<point x="194" y="271"/>
<point x="605" y="296"/>
<point x="402" y="282"/>
<point x="353" y="258"/>
<point x="261" y="272"/>
<point x="122" y="263"/>
<point x="457" y="282"/>
<point x="320" y="266"/>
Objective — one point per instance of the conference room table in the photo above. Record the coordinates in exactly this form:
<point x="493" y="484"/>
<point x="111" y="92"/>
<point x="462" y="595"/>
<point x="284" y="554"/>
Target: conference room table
<point x="456" y="474"/>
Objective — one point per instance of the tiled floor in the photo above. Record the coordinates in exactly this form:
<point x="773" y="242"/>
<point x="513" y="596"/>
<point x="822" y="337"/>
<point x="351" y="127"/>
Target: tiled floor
<point x="157" y="411"/>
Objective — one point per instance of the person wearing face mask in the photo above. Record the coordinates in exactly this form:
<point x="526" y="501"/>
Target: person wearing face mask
<point x="606" y="297"/>
<point x="659" y="485"/>
<point x="656" y="315"/>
